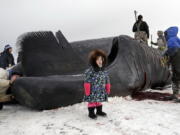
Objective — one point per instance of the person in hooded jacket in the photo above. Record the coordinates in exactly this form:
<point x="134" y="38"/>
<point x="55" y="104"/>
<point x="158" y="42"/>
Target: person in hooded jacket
<point x="96" y="83"/>
<point x="173" y="52"/>
<point x="161" y="41"/>
<point x="141" y="30"/>
<point x="7" y="59"/>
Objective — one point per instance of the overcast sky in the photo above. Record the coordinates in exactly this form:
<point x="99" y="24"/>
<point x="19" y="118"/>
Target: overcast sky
<point x="83" y="19"/>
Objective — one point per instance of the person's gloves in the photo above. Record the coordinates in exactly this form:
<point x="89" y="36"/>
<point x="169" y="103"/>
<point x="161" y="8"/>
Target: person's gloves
<point x="108" y="88"/>
<point x="164" y="60"/>
<point x="87" y="88"/>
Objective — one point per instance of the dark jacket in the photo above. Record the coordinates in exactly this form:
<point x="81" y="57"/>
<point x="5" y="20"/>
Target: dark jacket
<point x="6" y="59"/>
<point x="1" y="60"/>
<point x="98" y="80"/>
<point x="141" y="26"/>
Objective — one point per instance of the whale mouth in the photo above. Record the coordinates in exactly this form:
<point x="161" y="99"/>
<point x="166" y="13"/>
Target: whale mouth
<point x="114" y="52"/>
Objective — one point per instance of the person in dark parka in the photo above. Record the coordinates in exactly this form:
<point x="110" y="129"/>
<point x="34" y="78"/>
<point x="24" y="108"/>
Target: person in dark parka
<point x="7" y="59"/>
<point x="141" y="30"/>
<point x="96" y="83"/>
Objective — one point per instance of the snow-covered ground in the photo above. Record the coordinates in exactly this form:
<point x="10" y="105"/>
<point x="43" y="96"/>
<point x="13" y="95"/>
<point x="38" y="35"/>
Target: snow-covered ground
<point x="125" y="117"/>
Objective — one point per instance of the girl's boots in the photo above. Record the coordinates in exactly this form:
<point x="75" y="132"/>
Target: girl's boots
<point x="100" y="112"/>
<point x="92" y="115"/>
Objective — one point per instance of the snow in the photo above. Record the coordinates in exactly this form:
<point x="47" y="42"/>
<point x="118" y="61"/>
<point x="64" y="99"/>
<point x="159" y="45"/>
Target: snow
<point x="125" y="117"/>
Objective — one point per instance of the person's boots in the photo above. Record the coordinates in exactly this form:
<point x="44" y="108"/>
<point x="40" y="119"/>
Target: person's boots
<point x="172" y="97"/>
<point x="91" y="112"/>
<point x="177" y="100"/>
<point x="1" y="106"/>
<point x="100" y="112"/>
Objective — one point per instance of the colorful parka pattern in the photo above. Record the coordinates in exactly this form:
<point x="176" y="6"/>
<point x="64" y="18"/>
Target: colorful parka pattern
<point x="98" y="81"/>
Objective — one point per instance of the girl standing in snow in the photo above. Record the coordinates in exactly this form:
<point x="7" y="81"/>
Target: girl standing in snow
<point x="96" y="83"/>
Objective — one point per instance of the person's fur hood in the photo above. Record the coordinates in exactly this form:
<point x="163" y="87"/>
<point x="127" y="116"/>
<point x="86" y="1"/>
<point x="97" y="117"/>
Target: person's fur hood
<point x="93" y="57"/>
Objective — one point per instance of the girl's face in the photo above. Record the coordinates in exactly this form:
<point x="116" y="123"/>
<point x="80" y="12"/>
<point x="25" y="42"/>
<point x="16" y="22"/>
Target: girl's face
<point x="99" y="61"/>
